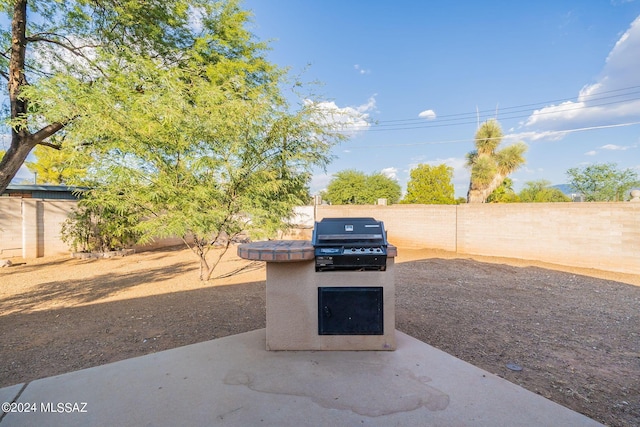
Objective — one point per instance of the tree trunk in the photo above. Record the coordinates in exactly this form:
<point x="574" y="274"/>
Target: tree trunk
<point x="217" y="261"/>
<point x="17" y="154"/>
<point x="480" y="195"/>
<point x="13" y="160"/>
<point x="476" y="196"/>
<point x="22" y="141"/>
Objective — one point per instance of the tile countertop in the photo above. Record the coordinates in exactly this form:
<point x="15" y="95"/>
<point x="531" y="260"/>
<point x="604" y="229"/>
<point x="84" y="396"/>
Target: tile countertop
<point x="286" y="251"/>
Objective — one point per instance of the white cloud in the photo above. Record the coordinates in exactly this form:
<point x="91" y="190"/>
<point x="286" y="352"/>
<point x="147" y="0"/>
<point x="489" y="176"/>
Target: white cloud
<point x="351" y="120"/>
<point x="319" y="182"/>
<point x="615" y="147"/>
<point x="607" y="101"/>
<point x="591" y="153"/>
<point x="390" y="172"/>
<point x="534" y="136"/>
<point x="427" y="114"/>
<point x="361" y="70"/>
<point x="370" y="105"/>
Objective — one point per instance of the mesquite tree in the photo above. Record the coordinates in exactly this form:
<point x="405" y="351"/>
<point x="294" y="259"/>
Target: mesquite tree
<point x="82" y="40"/>
<point x="188" y="133"/>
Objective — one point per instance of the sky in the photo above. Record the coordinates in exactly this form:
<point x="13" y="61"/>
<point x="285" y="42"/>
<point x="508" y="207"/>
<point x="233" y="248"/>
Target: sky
<point x="561" y="76"/>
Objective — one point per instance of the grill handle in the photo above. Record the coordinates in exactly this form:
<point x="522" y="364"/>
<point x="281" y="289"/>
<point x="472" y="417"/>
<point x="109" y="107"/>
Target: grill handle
<point x="349" y="236"/>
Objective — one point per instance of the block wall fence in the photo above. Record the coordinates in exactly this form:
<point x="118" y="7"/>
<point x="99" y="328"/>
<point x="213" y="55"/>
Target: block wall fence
<point x="30" y="228"/>
<point x="605" y="236"/>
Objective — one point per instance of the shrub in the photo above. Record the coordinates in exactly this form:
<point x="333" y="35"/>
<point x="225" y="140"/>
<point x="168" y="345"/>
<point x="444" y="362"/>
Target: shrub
<point x="99" y="229"/>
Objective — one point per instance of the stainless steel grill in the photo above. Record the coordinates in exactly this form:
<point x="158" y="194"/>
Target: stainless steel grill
<point x="357" y="244"/>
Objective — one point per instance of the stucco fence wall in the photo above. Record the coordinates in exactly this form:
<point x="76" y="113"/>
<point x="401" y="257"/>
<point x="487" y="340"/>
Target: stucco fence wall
<point x="30" y="228"/>
<point x="593" y="235"/>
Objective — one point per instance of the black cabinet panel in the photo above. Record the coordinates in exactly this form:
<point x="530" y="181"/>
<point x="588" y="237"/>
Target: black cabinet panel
<point x="350" y="311"/>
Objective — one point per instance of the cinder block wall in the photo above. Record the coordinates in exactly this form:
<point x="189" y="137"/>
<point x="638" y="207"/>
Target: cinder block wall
<point x="10" y="227"/>
<point x="594" y="235"/>
<point x="408" y="226"/>
<point x="55" y="212"/>
<point x="30" y="228"/>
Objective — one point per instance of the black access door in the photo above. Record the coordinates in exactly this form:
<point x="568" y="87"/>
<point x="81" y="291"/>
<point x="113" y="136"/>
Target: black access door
<point x="350" y="311"/>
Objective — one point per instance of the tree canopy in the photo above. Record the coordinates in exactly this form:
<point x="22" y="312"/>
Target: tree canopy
<point x="68" y="46"/>
<point x="490" y="166"/>
<point x="504" y="193"/>
<point x="541" y="192"/>
<point x="57" y="166"/>
<point x="602" y="182"/>
<point x="430" y="185"/>
<point x="182" y="121"/>
<point x="352" y="187"/>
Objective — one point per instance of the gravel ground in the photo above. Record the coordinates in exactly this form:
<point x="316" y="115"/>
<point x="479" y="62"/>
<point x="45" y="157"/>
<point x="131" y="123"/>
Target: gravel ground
<point x="574" y="332"/>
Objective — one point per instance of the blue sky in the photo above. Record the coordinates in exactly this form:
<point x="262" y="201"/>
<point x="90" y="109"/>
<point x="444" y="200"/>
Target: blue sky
<point x="562" y="76"/>
<point x="422" y="72"/>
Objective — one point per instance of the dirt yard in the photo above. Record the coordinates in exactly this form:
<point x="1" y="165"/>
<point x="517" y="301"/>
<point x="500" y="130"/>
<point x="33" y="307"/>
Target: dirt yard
<point x="574" y="332"/>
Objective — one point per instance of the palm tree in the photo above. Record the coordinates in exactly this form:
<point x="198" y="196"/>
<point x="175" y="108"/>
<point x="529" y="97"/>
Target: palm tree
<point x="489" y="167"/>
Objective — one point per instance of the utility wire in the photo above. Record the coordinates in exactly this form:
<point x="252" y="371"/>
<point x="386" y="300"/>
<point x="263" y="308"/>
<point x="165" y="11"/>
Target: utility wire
<point x="527" y="107"/>
<point x="375" y="128"/>
<point x="507" y="113"/>
<point x="467" y="140"/>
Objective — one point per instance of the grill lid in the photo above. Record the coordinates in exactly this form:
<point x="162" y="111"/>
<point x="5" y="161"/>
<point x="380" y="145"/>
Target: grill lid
<point x="349" y="231"/>
<point x="350" y="244"/>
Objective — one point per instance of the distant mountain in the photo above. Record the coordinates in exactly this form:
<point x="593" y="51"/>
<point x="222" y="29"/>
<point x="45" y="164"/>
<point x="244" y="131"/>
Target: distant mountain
<point x="565" y="188"/>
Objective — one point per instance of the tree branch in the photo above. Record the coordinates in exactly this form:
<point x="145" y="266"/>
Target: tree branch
<point x="67" y="45"/>
<point x="48" y="144"/>
<point x="40" y="37"/>
<point x="46" y="132"/>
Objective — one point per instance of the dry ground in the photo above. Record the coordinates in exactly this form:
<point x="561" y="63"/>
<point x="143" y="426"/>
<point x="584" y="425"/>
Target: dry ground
<point x="574" y="332"/>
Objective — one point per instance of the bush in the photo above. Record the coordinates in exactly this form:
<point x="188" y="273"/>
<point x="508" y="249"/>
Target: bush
<point x="99" y="229"/>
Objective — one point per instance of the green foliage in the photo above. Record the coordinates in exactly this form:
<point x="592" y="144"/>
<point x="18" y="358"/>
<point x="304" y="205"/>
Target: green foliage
<point x="488" y="138"/>
<point x="57" y="166"/>
<point x="70" y="49"/>
<point x="430" y="185"/>
<point x="346" y="187"/>
<point x="178" y="112"/>
<point x="96" y="227"/>
<point x="203" y="151"/>
<point x="490" y="166"/>
<point x="380" y="186"/>
<point x="602" y="182"/>
<point x="541" y="192"/>
<point x="351" y="187"/>
<point x="504" y="193"/>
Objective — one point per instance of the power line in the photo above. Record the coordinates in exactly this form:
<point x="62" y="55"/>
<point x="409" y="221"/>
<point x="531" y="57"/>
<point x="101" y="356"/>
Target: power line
<point x="526" y="107"/>
<point x="505" y="117"/>
<point x="508" y="113"/>
<point x="466" y="140"/>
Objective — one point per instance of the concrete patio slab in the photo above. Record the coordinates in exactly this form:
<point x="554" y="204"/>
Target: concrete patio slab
<point x="8" y="394"/>
<point x="234" y="381"/>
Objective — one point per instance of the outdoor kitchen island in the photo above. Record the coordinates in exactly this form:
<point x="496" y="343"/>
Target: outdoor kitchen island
<point x="312" y="305"/>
